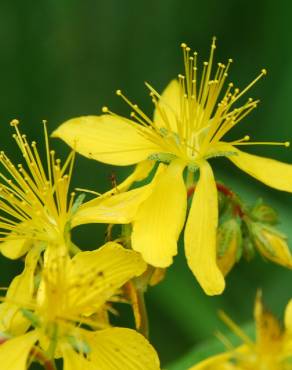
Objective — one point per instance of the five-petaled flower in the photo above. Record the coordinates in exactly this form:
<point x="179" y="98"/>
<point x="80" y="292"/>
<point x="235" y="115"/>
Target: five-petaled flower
<point x="191" y="118"/>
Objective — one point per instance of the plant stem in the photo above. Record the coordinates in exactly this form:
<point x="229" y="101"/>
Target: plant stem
<point x="144" y="325"/>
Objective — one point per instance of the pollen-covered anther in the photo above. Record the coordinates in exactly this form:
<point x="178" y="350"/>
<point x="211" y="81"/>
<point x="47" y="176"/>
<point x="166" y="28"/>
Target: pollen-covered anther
<point x="119" y="92"/>
<point x="264" y="72"/>
<point x="14" y="122"/>
<point x="104" y="109"/>
<point x="287" y="144"/>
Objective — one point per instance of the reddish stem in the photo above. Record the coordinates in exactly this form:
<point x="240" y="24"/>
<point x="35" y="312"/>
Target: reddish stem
<point x="42" y="358"/>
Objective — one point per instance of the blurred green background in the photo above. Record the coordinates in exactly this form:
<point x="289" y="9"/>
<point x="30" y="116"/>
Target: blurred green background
<point x="64" y="58"/>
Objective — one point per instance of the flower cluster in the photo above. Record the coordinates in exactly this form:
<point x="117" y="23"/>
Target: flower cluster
<point x="59" y="307"/>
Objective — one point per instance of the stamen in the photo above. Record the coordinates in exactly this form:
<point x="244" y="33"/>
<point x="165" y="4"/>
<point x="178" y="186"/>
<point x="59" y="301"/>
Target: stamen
<point x="285" y="144"/>
<point x="236" y="329"/>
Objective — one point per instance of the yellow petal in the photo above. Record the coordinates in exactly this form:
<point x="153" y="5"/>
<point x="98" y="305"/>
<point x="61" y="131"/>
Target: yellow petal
<point x="75" y="361"/>
<point x="20" y="290"/>
<point x="200" y="233"/>
<point x="160" y="218"/>
<point x="224" y="361"/>
<point x="14" y="248"/>
<point x="119" y="348"/>
<point x="95" y="276"/>
<point x="120" y="208"/>
<point x="288" y="317"/>
<point x="106" y="138"/>
<point x="14" y="352"/>
<point x="273" y="173"/>
<point x="268" y="330"/>
<point x="167" y="111"/>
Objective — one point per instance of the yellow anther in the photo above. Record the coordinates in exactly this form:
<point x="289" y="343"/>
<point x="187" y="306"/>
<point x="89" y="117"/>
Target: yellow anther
<point x="287" y="144"/>
<point x="264" y="71"/>
<point x="183" y="45"/>
<point x="104" y="109"/>
<point x="119" y="92"/>
<point x="14" y="122"/>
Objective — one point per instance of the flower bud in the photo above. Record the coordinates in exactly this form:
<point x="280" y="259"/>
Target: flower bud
<point x="272" y="244"/>
<point x="264" y="213"/>
<point x="228" y="245"/>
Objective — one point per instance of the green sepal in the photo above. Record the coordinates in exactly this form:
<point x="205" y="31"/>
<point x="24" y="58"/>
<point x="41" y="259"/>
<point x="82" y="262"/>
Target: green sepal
<point x="79" y="345"/>
<point x="78" y="201"/>
<point x="30" y="316"/>
<point x="264" y="213"/>
<point x="258" y="226"/>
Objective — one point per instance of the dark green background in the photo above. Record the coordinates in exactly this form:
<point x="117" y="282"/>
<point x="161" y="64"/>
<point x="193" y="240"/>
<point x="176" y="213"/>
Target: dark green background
<point x="64" y="58"/>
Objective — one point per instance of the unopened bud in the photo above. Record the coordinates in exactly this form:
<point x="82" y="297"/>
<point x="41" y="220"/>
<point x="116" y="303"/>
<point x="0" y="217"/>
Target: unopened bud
<point x="272" y="244"/>
<point x="264" y="213"/>
<point x="228" y="245"/>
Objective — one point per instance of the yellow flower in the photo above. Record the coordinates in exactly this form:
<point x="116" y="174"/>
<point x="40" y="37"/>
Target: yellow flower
<point x="33" y="198"/>
<point x="272" y="349"/>
<point x="68" y="314"/>
<point x="191" y="117"/>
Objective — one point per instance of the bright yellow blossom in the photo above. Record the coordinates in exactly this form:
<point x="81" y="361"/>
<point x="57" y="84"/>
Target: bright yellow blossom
<point x="190" y="120"/>
<point x="272" y="349"/>
<point x="33" y="198"/>
<point x="67" y="314"/>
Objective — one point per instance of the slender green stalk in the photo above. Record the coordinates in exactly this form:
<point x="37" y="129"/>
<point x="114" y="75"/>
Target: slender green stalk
<point x="144" y="324"/>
